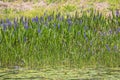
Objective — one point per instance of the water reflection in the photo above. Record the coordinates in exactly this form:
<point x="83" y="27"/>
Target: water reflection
<point x="60" y="74"/>
<point x="30" y="78"/>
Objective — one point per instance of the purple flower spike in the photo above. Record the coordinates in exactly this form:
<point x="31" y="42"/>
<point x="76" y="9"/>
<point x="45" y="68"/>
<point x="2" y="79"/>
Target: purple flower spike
<point x="26" y="25"/>
<point x="81" y="21"/>
<point x="108" y="48"/>
<point x="54" y="25"/>
<point x="49" y="18"/>
<point x="15" y="21"/>
<point x="15" y="26"/>
<point x="8" y="22"/>
<point x="58" y="16"/>
<point x="4" y="27"/>
<point x="69" y="22"/>
<point x="36" y="18"/>
<point x="33" y="19"/>
<point x="110" y="31"/>
<point x="22" y="20"/>
<point x="117" y="13"/>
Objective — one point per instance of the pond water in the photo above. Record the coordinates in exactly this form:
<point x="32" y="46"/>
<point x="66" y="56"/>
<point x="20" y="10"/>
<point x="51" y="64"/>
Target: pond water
<point x="60" y="74"/>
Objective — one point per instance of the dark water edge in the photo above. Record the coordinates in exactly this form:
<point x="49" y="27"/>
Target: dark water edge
<point x="60" y="74"/>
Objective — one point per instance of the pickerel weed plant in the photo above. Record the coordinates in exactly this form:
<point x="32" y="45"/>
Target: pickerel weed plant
<point x="90" y="39"/>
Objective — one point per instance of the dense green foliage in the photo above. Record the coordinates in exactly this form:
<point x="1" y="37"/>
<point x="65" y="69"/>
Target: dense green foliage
<point x="55" y="39"/>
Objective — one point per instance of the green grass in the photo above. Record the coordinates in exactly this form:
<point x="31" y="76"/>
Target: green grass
<point x="62" y="5"/>
<point x="56" y="39"/>
<point x="69" y="8"/>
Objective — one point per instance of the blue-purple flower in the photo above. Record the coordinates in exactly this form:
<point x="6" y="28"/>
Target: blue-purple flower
<point x="54" y="25"/>
<point x="117" y="13"/>
<point x="81" y="21"/>
<point x="8" y="22"/>
<point x="69" y="22"/>
<point x="49" y="18"/>
<point x="36" y="19"/>
<point x="110" y="31"/>
<point x="115" y="47"/>
<point x="58" y="16"/>
<point x="33" y="19"/>
<point x="26" y="25"/>
<point x="108" y="48"/>
<point x="39" y="30"/>
<point x="4" y="27"/>
<point x="15" y="24"/>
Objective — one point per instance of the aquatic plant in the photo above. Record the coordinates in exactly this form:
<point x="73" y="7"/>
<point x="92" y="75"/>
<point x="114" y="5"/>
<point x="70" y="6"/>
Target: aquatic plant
<point x="57" y="39"/>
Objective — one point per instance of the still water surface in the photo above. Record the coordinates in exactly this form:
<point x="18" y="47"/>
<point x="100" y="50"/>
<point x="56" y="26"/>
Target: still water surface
<point x="60" y="74"/>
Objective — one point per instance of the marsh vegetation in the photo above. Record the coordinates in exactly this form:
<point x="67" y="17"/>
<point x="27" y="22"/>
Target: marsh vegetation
<point x="66" y="37"/>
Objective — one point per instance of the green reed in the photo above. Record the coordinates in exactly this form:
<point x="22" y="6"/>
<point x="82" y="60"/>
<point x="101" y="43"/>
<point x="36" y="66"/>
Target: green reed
<point x="54" y="39"/>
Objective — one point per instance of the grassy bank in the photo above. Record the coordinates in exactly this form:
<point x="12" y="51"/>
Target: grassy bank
<point x="57" y="39"/>
<point x="30" y="8"/>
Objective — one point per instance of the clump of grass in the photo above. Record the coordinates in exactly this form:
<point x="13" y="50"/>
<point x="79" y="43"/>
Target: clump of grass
<point x="69" y="8"/>
<point x="55" y="39"/>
